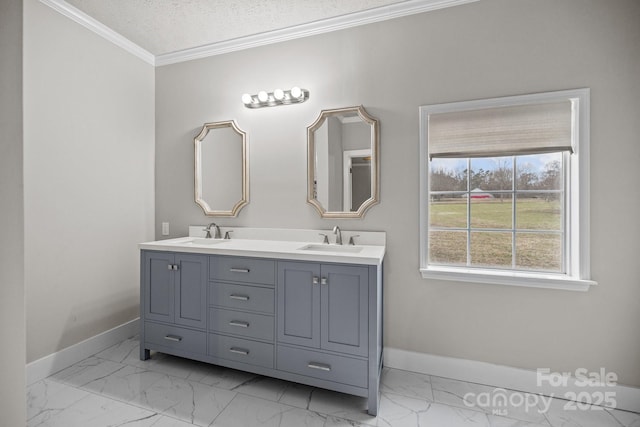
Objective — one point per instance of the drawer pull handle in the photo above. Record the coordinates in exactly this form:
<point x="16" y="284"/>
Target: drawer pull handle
<point x="319" y="366"/>
<point x="173" y="338"/>
<point x="239" y="351"/>
<point x="239" y="323"/>
<point x="239" y="270"/>
<point x="239" y="297"/>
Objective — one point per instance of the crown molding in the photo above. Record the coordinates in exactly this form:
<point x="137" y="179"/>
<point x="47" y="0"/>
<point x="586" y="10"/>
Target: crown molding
<point x="410" y="7"/>
<point x="100" y="29"/>
<point x="383" y="13"/>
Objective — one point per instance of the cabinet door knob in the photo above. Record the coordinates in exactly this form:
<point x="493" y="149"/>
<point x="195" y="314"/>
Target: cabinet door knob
<point x="315" y="280"/>
<point x="324" y="281"/>
<point x="169" y="266"/>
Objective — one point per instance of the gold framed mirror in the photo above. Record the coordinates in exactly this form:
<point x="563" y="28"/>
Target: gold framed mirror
<point x="343" y="162"/>
<point x="221" y="169"/>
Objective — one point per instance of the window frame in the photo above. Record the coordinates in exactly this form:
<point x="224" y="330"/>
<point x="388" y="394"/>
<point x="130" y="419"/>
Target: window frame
<point x="577" y="276"/>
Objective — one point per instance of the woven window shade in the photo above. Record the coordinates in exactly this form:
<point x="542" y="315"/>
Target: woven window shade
<point x="501" y="131"/>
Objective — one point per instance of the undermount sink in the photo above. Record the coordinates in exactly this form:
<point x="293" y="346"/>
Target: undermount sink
<point x="204" y="242"/>
<point x="331" y="248"/>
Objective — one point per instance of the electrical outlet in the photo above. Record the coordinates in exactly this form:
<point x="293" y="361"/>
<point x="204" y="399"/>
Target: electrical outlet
<point x="165" y="228"/>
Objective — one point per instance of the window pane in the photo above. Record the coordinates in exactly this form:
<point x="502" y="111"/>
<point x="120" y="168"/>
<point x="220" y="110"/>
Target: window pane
<point x="448" y="211"/>
<point x="539" y="251"/>
<point x="539" y="172"/>
<point x="448" y="247"/>
<point x="551" y="172"/>
<point x="491" y="173"/>
<point x="539" y="211"/>
<point x="527" y="172"/>
<point x="491" y="213"/>
<point x="448" y="175"/>
<point x="491" y="249"/>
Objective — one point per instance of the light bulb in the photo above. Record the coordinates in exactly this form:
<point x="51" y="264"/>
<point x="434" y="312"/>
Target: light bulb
<point x="247" y="99"/>
<point x="296" y="92"/>
<point x="263" y="96"/>
<point x="278" y="94"/>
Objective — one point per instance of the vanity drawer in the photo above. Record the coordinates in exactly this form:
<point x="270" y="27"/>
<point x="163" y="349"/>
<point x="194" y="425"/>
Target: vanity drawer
<point x="250" y="325"/>
<point x="242" y="297"/>
<point x="241" y="350"/>
<point x="175" y="337"/>
<point x="241" y="269"/>
<point x="324" y="366"/>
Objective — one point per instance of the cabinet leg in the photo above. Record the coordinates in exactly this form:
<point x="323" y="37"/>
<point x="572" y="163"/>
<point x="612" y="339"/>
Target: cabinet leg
<point x="373" y="400"/>
<point x="145" y="354"/>
<point x="372" y="405"/>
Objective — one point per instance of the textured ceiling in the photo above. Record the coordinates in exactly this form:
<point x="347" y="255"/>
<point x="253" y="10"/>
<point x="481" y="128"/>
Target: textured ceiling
<point x="163" y="26"/>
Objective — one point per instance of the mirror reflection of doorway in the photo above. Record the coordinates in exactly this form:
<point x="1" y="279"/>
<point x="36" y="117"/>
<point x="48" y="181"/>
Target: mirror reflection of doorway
<point x="357" y="178"/>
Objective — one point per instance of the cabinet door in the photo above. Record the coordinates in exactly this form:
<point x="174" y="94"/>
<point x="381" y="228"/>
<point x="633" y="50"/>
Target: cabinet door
<point x="299" y="303"/>
<point x="191" y="290"/>
<point x="345" y="309"/>
<point x="158" y="286"/>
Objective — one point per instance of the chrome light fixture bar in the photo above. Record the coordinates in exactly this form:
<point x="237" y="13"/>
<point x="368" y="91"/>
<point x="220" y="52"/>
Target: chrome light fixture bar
<point x="295" y="95"/>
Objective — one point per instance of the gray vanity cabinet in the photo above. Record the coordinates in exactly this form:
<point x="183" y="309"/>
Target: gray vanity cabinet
<point x="241" y="311"/>
<point x="314" y="323"/>
<point x="299" y="304"/>
<point x="329" y="326"/>
<point x="324" y="306"/>
<point x="174" y="296"/>
<point x="176" y="288"/>
<point x="158" y="277"/>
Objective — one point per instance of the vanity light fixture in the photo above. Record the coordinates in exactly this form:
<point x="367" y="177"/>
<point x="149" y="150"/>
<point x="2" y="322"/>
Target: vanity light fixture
<point x="278" y="97"/>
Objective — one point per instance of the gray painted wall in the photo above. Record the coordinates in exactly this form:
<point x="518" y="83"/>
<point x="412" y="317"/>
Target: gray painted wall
<point x="12" y="324"/>
<point x="481" y="50"/>
<point x="88" y="180"/>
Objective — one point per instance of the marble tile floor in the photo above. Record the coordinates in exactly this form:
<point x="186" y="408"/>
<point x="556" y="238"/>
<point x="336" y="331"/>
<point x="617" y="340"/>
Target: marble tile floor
<point x="115" y="388"/>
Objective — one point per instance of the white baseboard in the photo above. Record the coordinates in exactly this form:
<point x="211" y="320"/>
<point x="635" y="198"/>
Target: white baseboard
<point x="49" y="365"/>
<point x="626" y="398"/>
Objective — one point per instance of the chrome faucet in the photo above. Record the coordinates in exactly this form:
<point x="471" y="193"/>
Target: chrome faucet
<point x="338" y="233"/>
<point x="216" y="234"/>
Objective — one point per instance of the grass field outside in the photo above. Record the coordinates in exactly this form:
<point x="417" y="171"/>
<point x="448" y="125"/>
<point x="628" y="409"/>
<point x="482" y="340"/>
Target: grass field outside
<point x="491" y="232"/>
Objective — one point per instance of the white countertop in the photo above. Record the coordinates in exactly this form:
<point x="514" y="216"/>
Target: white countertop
<point x="266" y="243"/>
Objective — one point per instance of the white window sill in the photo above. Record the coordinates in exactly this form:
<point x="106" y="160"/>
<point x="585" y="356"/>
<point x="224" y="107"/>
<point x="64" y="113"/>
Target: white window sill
<point x="511" y="278"/>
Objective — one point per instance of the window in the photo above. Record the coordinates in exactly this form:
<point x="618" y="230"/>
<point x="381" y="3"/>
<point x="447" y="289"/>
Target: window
<point x="504" y="190"/>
